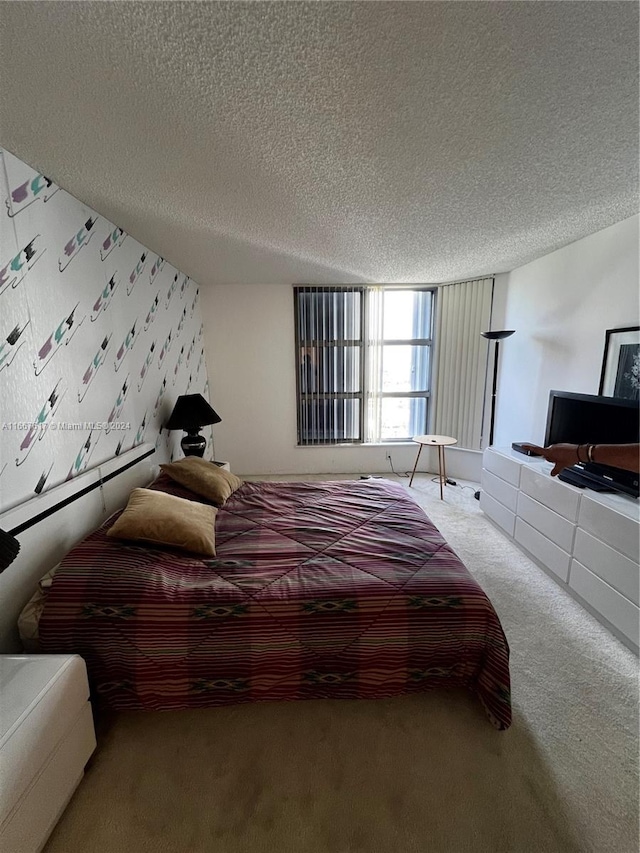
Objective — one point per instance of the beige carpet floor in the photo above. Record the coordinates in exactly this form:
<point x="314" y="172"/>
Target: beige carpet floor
<point x="420" y="773"/>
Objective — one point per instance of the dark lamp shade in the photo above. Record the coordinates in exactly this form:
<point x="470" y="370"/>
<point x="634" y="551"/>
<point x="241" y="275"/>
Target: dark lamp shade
<point x="192" y="411"/>
<point x="9" y="547"/>
<point x="498" y="336"/>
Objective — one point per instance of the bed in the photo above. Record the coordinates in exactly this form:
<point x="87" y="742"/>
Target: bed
<point x="331" y="589"/>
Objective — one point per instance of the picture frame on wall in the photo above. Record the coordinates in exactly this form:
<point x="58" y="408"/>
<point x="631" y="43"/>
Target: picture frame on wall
<point x="620" y="376"/>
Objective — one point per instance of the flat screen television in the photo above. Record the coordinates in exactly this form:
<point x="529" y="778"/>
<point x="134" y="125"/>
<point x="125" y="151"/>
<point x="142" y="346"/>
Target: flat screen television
<point x="591" y="419"/>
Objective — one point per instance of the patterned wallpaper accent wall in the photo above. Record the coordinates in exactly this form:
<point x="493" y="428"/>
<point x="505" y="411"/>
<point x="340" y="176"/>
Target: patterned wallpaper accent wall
<point x="98" y="337"/>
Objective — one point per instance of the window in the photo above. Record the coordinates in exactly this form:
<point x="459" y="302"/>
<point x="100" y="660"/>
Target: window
<point x="363" y="363"/>
<point x="406" y="363"/>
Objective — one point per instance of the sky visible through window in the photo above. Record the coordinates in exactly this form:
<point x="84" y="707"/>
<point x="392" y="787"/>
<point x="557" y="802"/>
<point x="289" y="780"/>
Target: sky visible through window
<point x="405" y="367"/>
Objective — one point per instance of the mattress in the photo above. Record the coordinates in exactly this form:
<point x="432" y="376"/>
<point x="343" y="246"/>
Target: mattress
<point x="326" y="589"/>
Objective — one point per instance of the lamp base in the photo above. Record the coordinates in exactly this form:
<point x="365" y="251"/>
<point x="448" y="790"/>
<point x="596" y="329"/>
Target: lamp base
<point x="193" y="444"/>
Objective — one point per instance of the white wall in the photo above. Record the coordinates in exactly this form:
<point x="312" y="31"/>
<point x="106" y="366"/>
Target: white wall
<point x="249" y="341"/>
<point x="560" y="306"/>
<point x="98" y="337"/>
<point x="94" y="331"/>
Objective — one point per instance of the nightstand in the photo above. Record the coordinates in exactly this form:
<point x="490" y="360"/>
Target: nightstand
<point x="46" y="738"/>
<point x="224" y="465"/>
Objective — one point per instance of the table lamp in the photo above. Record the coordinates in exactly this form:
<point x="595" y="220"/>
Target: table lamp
<point x="9" y="547"/>
<point x="190" y="413"/>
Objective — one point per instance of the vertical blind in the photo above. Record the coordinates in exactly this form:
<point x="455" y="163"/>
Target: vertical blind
<point x="329" y="352"/>
<point x="464" y="311"/>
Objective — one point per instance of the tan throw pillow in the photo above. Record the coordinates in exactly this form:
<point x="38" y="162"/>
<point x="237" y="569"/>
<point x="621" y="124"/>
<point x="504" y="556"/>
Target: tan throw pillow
<point x="167" y="520"/>
<point x="204" y="478"/>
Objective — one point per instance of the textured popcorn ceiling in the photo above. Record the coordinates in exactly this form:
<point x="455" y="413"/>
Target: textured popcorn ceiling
<point x="331" y="142"/>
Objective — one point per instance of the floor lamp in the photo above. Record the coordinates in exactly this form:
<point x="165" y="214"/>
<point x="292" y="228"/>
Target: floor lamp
<point x="497" y="337"/>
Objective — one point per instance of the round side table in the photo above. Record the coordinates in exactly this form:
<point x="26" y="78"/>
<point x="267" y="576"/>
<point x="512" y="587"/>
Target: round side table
<point x="439" y="441"/>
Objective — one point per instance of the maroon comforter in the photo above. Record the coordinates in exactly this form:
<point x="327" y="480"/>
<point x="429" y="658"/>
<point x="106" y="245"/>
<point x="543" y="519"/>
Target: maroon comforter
<point x="324" y="589"/>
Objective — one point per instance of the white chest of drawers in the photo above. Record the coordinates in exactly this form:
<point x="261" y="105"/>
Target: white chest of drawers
<point x="588" y="541"/>
<point x="46" y="738"/>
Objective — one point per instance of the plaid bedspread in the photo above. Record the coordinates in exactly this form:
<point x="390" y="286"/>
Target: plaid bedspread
<point x="323" y="589"/>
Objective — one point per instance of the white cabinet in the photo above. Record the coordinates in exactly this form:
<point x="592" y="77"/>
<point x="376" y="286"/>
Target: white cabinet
<point x="541" y="487"/>
<point x="499" y="497"/>
<point x="46" y="738"/>
<point x="503" y="492"/>
<point x="615" y="608"/>
<point x="613" y="567"/>
<point x="588" y="541"/>
<point x="543" y="549"/>
<point x="555" y="527"/>
<point x="614" y="521"/>
<point x="503" y="517"/>
<point x="503" y="466"/>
